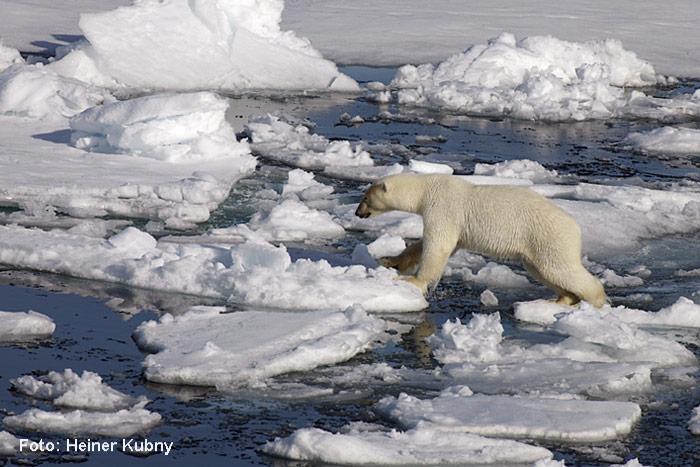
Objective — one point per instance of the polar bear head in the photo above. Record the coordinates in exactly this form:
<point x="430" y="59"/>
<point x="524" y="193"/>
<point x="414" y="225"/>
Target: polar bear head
<point x="375" y="201"/>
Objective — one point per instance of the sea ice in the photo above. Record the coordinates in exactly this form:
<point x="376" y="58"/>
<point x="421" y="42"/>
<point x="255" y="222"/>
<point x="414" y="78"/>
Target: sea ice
<point x="208" y="347"/>
<point x="9" y="444"/>
<point x="496" y="275"/>
<point x="18" y="326"/>
<point x="253" y="273"/>
<point x="9" y="57"/>
<point x="683" y="313"/>
<point x="694" y="422"/>
<point x="200" y="45"/>
<point x="420" y="446"/>
<point x="518" y="168"/>
<point x="68" y="389"/>
<point x="123" y="423"/>
<point x="666" y="140"/>
<point x="541" y="78"/>
<point x="456" y="409"/>
<point x="168" y="127"/>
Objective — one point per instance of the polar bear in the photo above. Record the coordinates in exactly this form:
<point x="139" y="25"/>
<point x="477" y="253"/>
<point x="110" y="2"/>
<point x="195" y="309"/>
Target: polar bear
<point x="506" y="222"/>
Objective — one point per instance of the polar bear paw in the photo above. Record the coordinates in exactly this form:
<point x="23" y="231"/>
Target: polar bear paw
<point x="422" y="285"/>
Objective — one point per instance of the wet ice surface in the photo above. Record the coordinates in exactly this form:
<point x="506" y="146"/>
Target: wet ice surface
<point x="95" y="321"/>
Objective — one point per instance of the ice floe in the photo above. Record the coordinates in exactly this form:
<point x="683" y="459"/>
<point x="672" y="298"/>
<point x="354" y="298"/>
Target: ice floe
<point x="694" y="422"/>
<point x="518" y="168"/>
<point x="601" y="355"/>
<point x="666" y="140"/>
<point x="541" y="78"/>
<point x="496" y="275"/>
<point x="9" y="56"/>
<point x="208" y="347"/>
<point x="169" y="127"/>
<point x="683" y="313"/>
<point x="254" y="272"/>
<point x="68" y="389"/>
<point x="361" y="445"/>
<point x="199" y="45"/>
<point x="456" y="409"/>
<point x="19" y="326"/>
<point x="123" y="423"/>
<point x="9" y="444"/>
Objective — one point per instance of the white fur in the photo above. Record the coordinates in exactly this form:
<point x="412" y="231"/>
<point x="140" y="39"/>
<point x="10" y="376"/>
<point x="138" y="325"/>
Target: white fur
<point x="506" y="222"/>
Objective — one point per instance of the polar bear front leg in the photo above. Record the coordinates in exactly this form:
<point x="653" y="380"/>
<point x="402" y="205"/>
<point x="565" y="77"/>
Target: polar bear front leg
<point x="437" y="248"/>
<point x="405" y="262"/>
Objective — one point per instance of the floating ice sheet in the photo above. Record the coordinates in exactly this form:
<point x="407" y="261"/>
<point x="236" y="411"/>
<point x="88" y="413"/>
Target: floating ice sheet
<point x="207" y="347"/>
<point x="457" y="410"/>
<point x="254" y="272"/>
<point x="18" y="326"/>
<point x="68" y="389"/>
<point x="123" y="423"/>
<point x="666" y="140"/>
<point x="421" y="446"/>
<point x="9" y="444"/>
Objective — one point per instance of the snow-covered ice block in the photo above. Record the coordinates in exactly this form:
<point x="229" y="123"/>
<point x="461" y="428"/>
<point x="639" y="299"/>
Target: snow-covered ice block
<point x="457" y="410"/>
<point x="37" y="92"/>
<point x="304" y="186"/>
<point x="488" y="298"/>
<point x="666" y="140"/>
<point x="9" y="56"/>
<point x="68" y="389"/>
<point x="200" y="44"/>
<point x="170" y="127"/>
<point x="421" y="446"/>
<point x="253" y="273"/>
<point x="519" y="169"/>
<point x="362" y="173"/>
<point x="385" y="245"/>
<point x="9" y="444"/>
<point x="123" y="423"/>
<point x="541" y="78"/>
<point x="208" y="347"/>
<point x="17" y="326"/>
<point x="683" y="313"/>
<point x="289" y="221"/>
<point x="496" y="275"/>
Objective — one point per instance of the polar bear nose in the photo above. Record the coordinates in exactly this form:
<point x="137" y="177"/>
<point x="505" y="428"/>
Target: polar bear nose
<point x="362" y="211"/>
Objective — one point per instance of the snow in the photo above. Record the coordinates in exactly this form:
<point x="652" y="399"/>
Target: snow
<point x="199" y="45"/>
<point x="169" y="127"/>
<point x="179" y="194"/>
<point x="421" y="446"/>
<point x="68" y="389"/>
<point x="9" y="444"/>
<point x="123" y="423"/>
<point x="207" y="347"/>
<point x="541" y="78"/>
<point x="670" y="140"/>
<point x="19" y="326"/>
<point x="385" y="245"/>
<point x="457" y="410"/>
<point x="429" y="167"/>
<point x="304" y="186"/>
<point x="254" y="273"/>
<point x="683" y="313"/>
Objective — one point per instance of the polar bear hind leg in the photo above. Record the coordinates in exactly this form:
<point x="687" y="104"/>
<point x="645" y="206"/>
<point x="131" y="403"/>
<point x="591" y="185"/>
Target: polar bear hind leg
<point x="572" y="284"/>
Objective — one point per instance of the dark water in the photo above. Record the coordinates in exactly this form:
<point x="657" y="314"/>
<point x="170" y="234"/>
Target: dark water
<point x="95" y="320"/>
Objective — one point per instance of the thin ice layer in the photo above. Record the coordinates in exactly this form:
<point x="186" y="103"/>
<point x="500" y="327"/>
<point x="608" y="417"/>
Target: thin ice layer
<point x="254" y="272"/>
<point x="200" y="45"/>
<point x="421" y="446"/>
<point x="18" y="326"/>
<point x="168" y="127"/>
<point x="207" y="347"/>
<point x="457" y="410"/>
<point x="68" y="389"/>
<point x="125" y="422"/>
<point x="541" y="78"/>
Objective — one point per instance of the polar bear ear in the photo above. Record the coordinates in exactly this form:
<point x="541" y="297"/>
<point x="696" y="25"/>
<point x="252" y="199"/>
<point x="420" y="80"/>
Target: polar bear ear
<point x="383" y="187"/>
